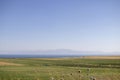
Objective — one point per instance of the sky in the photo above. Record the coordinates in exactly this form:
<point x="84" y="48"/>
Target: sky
<point x="82" y="25"/>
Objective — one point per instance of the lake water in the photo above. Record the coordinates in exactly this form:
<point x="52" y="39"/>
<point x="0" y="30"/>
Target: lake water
<point x="37" y="56"/>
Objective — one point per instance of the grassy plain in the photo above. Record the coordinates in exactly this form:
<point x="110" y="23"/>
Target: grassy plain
<point x="84" y="68"/>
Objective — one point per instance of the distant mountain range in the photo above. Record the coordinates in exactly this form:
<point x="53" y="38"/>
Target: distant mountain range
<point x="59" y="52"/>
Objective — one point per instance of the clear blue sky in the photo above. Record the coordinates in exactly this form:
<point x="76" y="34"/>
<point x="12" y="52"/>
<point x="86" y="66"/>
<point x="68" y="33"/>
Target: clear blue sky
<point x="84" y="25"/>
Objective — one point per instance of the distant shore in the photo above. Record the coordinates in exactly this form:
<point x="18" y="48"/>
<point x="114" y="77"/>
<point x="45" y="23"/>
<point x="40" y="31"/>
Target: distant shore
<point x="62" y="56"/>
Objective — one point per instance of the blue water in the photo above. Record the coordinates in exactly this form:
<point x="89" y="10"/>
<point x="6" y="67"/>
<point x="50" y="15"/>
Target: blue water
<point x="37" y="56"/>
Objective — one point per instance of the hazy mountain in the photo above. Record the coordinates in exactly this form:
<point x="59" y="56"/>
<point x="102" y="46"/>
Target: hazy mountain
<point x="60" y="52"/>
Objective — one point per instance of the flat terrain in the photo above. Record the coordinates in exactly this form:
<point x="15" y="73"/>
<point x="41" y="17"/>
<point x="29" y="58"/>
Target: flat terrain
<point x="84" y="68"/>
<point x="102" y="57"/>
<point x="9" y="64"/>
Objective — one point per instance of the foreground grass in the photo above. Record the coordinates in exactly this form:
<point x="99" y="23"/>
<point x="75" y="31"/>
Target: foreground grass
<point x="60" y="69"/>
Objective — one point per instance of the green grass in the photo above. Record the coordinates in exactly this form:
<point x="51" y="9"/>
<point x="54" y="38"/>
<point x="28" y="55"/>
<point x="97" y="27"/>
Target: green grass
<point x="60" y="69"/>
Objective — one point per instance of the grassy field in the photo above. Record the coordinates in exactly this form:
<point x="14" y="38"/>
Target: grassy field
<point x="84" y="68"/>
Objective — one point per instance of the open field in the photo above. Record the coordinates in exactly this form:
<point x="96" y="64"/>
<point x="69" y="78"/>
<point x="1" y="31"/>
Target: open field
<point x="84" y="68"/>
<point x="102" y="57"/>
<point x="8" y="64"/>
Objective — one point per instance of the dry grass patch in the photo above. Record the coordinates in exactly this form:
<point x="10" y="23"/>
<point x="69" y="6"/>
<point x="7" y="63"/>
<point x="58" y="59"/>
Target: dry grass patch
<point x="9" y="64"/>
<point x="102" y="57"/>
